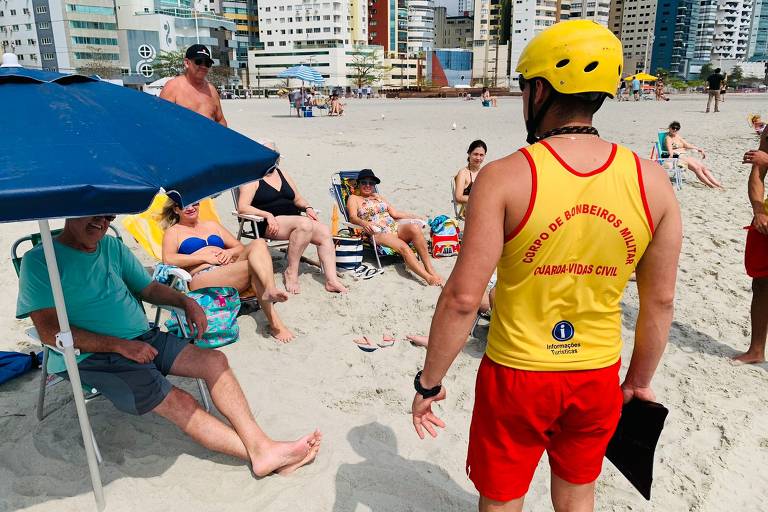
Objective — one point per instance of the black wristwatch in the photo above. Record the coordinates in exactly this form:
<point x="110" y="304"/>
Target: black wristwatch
<point x="425" y="392"/>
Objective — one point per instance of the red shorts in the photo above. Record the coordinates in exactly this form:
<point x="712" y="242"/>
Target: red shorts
<point x="518" y="414"/>
<point x="756" y="254"/>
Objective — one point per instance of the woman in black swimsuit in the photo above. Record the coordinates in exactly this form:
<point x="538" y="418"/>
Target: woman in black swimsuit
<point x="467" y="175"/>
<point x="276" y="198"/>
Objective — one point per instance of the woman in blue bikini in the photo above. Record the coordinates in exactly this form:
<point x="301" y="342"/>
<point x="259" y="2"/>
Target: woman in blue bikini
<point x="214" y="257"/>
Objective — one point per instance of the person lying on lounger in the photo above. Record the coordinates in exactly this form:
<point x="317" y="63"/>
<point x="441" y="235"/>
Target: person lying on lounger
<point x="379" y="220"/>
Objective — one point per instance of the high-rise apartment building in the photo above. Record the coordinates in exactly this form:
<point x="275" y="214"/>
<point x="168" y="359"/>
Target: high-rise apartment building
<point x="490" y="51"/>
<point x="614" y="17"/>
<point x="731" y="41"/>
<point x="453" y="31"/>
<point x="388" y="26"/>
<point x="596" y="10"/>
<point x="758" y="33"/>
<point x="440" y="15"/>
<point x="19" y="32"/>
<point x="421" y="26"/>
<point x="245" y="15"/>
<point x="529" y="17"/>
<point x="638" y="21"/>
<point x="465" y="7"/>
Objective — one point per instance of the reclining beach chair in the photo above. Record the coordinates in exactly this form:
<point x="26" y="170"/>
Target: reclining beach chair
<point x="47" y="380"/>
<point x="148" y="233"/>
<point x="660" y="155"/>
<point x="343" y="184"/>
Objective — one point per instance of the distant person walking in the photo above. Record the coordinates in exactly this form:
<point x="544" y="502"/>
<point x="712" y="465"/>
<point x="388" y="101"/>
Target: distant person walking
<point x="565" y="221"/>
<point x="192" y="90"/>
<point x="723" y="87"/>
<point x="714" y="82"/>
<point x="636" y="88"/>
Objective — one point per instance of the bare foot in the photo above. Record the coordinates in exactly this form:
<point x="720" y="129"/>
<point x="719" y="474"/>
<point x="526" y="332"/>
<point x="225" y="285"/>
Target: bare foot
<point x="419" y="341"/>
<point x="291" y="283"/>
<point x="290" y="468"/>
<point x="335" y="287"/>
<point x="282" y="454"/>
<point x="281" y="333"/>
<point x="274" y="295"/>
<point x="435" y="280"/>
<point x="748" y="358"/>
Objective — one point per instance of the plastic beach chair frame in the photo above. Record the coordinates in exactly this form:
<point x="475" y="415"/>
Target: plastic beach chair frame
<point x="89" y="392"/>
<point x="336" y="191"/>
<point x="658" y="149"/>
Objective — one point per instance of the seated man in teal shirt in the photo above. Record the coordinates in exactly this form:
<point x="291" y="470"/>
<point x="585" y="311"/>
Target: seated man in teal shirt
<point x="128" y="362"/>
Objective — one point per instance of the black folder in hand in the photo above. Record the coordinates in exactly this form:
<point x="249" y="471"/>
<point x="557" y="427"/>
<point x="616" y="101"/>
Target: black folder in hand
<point x="632" y="446"/>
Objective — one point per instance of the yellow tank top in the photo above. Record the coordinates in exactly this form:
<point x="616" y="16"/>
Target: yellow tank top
<point x="562" y="271"/>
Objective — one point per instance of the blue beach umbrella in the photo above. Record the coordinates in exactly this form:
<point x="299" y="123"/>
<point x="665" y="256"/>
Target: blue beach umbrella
<point x="75" y="146"/>
<point x="303" y="73"/>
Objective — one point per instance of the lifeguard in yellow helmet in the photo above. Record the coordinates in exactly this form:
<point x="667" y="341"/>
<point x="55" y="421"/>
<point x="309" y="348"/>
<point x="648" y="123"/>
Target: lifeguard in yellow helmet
<point x="566" y="220"/>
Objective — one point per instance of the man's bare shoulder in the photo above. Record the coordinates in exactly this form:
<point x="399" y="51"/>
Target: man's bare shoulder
<point x="214" y="92"/>
<point x="511" y="167"/>
<point x="171" y="87"/>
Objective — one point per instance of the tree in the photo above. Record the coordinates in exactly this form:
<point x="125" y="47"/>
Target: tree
<point x="169" y="64"/>
<point x="706" y="70"/>
<point x="735" y="76"/>
<point x="100" y="64"/>
<point x="366" y="68"/>
<point x="219" y="76"/>
<point x="662" y="73"/>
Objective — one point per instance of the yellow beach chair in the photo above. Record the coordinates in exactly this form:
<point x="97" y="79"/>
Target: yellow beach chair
<point x="146" y="229"/>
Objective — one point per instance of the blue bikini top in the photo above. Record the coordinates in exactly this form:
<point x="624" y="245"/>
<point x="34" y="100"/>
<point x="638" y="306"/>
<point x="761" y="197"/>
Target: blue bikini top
<point x="194" y="244"/>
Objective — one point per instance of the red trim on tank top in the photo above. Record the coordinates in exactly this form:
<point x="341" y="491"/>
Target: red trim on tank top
<point x="642" y="193"/>
<point x="574" y="171"/>
<point x="531" y="201"/>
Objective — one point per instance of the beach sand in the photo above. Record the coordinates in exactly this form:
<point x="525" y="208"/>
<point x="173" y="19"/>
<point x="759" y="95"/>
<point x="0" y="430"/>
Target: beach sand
<point x="711" y="455"/>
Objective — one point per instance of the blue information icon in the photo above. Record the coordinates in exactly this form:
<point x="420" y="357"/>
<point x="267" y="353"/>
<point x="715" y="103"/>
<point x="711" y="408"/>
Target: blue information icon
<point x="563" y="330"/>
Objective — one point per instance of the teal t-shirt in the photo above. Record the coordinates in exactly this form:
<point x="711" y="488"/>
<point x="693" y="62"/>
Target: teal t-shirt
<point x="98" y="290"/>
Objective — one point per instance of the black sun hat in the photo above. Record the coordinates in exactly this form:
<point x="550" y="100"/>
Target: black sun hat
<point x="367" y="174"/>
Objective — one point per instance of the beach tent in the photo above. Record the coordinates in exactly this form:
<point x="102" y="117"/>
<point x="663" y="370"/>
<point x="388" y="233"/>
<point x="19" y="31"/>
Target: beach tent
<point x="76" y="146"/>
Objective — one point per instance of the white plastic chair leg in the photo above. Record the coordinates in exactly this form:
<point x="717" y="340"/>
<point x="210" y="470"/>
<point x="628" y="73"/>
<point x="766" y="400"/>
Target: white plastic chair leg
<point x="204" y="394"/>
<point x="474" y="326"/>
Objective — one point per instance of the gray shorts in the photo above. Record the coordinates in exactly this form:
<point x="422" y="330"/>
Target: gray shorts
<point x="132" y="387"/>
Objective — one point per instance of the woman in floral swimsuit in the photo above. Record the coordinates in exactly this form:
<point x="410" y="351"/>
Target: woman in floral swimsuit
<point x="379" y="220"/>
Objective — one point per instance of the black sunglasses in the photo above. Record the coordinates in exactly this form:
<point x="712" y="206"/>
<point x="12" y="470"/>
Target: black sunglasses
<point x="203" y="62"/>
<point x="522" y="82"/>
<point x="108" y="218"/>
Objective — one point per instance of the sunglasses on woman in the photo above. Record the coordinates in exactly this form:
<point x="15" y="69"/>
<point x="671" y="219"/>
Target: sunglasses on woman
<point x="367" y="183"/>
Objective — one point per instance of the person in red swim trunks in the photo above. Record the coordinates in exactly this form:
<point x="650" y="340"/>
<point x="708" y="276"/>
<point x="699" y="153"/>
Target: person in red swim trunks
<point x="756" y="253"/>
<point x="565" y="221"/>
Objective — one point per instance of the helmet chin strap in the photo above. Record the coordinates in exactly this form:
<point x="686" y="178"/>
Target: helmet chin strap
<point x="535" y="118"/>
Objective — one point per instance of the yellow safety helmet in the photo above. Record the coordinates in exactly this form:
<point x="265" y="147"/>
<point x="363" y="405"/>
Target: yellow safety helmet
<point x="575" y="56"/>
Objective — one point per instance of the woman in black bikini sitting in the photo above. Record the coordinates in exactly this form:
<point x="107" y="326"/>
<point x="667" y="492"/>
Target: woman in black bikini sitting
<point x="276" y="198"/>
<point x="467" y="175"/>
<point x="214" y="257"/>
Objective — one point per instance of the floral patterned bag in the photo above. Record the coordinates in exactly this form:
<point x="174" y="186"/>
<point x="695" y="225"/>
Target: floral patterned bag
<point x="221" y="306"/>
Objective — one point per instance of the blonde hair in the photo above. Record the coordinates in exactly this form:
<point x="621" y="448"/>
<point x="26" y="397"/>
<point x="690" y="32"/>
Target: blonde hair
<point x="754" y="118"/>
<point x="168" y="216"/>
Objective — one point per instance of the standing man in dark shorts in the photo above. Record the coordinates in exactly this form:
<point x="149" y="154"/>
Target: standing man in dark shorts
<point x="191" y="89"/>
<point x="756" y="253"/>
<point x="566" y="220"/>
<point x="714" y="81"/>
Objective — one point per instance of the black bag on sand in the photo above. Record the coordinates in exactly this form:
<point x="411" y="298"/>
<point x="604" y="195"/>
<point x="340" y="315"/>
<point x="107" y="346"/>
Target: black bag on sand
<point x="633" y="445"/>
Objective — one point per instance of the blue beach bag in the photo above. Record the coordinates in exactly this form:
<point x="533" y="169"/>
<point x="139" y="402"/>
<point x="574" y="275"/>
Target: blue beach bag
<point x="221" y="305"/>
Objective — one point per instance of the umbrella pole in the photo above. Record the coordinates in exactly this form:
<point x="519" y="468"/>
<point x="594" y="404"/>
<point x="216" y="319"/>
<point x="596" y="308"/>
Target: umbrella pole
<point x="65" y="342"/>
